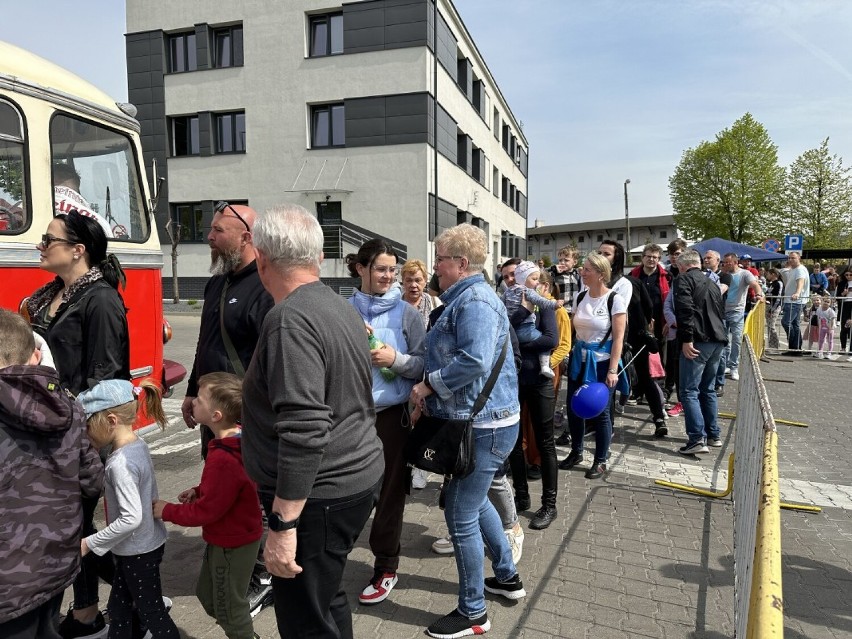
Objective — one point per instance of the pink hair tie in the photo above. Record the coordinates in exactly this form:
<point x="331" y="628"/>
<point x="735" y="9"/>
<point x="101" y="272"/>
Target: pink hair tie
<point x="137" y="391"/>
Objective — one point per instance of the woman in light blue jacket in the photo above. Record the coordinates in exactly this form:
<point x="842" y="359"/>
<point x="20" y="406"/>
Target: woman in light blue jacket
<point x="397" y="337"/>
<point x="462" y="346"/>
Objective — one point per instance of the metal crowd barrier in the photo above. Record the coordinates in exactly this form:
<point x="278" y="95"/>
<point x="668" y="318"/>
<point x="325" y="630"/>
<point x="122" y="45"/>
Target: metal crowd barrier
<point x="754" y="483"/>
<point x="755" y="328"/>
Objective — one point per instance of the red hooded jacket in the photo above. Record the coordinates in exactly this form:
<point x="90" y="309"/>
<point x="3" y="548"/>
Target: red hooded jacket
<point x="665" y="281"/>
<point x="226" y="505"/>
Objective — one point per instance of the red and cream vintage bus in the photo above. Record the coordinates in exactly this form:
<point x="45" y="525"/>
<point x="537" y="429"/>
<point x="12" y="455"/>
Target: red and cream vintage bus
<point x="65" y="144"/>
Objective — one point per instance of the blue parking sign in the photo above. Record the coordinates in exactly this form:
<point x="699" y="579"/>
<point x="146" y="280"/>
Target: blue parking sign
<point x="794" y="242"/>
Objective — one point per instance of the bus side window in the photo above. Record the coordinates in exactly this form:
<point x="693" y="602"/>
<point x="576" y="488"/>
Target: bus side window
<point x="13" y="174"/>
<point x="95" y="172"/>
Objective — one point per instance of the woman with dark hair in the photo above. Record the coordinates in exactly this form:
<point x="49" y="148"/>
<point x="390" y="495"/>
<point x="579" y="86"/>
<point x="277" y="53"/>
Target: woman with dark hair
<point x="81" y="316"/>
<point x="398" y="363"/>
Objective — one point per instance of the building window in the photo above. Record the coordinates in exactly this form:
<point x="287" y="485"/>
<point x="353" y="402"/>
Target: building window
<point x="600" y="237"/>
<point x="326" y="33"/>
<point x="581" y="239"/>
<point x="619" y="237"/>
<point x="663" y="235"/>
<point x="188" y="217"/>
<point x="504" y="192"/>
<point x="228" y="47"/>
<point x="495" y="183"/>
<point x="182" y="52"/>
<point x="329" y="212"/>
<point x="230" y="132"/>
<point x="328" y="126"/>
<point x="496" y="123"/>
<point x="185" y="139"/>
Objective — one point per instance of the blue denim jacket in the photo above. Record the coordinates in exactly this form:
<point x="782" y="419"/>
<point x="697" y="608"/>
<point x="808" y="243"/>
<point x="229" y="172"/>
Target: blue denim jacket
<point x="461" y="348"/>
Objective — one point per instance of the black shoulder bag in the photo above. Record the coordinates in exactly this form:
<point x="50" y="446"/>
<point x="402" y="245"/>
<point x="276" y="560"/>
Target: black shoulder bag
<point x="445" y="446"/>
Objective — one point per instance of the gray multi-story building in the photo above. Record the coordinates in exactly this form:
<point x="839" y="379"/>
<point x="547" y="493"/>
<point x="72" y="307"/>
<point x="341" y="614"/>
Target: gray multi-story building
<point x="345" y="109"/>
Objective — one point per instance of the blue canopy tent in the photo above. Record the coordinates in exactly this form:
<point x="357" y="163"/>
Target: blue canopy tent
<point x="726" y="246"/>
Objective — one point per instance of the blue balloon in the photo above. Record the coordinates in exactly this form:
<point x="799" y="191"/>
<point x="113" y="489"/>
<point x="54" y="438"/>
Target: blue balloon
<point x="590" y="400"/>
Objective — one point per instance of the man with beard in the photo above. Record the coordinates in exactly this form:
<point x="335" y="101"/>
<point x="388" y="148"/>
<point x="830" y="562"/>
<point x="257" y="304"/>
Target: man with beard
<point x="235" y="305"/>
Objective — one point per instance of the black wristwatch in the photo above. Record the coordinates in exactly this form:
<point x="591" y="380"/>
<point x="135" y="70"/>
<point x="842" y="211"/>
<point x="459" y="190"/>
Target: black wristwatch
<point x="427" y="384"/>
<point x="276" y="524"/>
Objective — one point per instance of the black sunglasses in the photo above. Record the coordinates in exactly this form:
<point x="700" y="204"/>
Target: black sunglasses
<point x="222" y="205"/>
<point x="47" y="240"/>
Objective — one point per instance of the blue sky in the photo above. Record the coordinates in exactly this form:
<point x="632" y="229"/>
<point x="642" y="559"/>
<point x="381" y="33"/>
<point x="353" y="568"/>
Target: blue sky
<point x="606" y="89"/>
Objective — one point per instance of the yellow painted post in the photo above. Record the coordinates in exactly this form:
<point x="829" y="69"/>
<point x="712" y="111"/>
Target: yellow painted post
<point x="701" y="491"/>
<point x="766" y="606"/>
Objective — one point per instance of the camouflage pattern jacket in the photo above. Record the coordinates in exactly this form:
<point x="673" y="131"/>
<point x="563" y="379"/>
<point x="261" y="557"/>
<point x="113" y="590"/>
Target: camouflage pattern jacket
<point x="46" y="464"/>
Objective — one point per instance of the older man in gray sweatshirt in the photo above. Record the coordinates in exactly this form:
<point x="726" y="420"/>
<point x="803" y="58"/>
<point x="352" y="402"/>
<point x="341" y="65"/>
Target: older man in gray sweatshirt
<point x="309" y="438"/>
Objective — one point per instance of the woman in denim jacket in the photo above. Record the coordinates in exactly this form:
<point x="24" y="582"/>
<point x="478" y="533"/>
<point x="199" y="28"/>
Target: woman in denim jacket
<point x="461" y="348"/>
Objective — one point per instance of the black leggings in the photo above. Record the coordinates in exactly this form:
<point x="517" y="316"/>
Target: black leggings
<point x="845" y="315"/>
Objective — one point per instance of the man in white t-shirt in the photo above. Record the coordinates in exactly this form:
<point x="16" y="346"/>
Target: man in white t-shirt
<point x="797" y="292"/>
<point x="735" y="303"/>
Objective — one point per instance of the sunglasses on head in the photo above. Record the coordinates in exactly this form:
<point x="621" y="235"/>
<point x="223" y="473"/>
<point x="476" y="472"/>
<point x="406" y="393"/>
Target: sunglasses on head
<point x="222" y="205"/>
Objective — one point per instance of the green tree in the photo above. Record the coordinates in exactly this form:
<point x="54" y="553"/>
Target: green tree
<point x="818" y="198"/>
<point x="729" y="187"/>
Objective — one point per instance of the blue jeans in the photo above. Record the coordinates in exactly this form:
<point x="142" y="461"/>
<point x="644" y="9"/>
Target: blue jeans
<point x="790" y="314"/>
<point x="602" y="423"/>
<point x="698" y="393"/>
<point x="472" y="517"/>
<point x="527" y="332"/>
<point x="734" y="322"/>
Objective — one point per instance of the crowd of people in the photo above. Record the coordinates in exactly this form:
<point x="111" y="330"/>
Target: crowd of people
<point x="305" y="402"/>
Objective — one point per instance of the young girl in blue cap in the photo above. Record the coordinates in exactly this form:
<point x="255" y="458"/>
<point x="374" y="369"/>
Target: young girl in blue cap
<point x="134" y="537"/>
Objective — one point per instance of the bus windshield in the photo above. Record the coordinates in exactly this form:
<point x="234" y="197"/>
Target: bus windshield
<point x="94" y="171"/>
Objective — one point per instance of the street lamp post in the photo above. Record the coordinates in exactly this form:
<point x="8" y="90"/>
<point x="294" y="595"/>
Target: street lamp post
<point x="626" y="217"/>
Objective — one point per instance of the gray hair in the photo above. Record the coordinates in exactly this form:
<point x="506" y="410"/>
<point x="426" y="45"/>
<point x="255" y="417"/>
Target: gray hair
<point x="468" y="241"/>
<point x="289" y="236"/>
<point x="715" y="254"/>
<point x="689" y="257"/>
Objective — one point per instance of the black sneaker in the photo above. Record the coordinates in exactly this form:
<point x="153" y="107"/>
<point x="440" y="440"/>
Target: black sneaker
<point x="259" y="597"/>
<point x="720" y="390"/>
<point x="70" y="628"/>
<point x="596" y="471"/>
<point x="660" y="429"/>
<point x="522" y="502"/>
<point x="572" y="460"/>
<point x="456" y="624"/>
<point x="564" y="439"/>
<point x="544" y="516"/>
<point x="510" y="589"/>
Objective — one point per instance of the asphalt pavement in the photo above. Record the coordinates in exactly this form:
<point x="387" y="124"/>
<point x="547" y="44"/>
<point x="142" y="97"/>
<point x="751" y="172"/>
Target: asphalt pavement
<point x="625" y="558"/>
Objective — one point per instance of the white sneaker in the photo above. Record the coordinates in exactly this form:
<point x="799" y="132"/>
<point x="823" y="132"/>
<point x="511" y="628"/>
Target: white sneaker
<point x="735" y="375"/>
<point x="443" y="546"/>
<point x="727" y="371"/>
<point x="419" y="479"/>
<point x="516" y="543"/>
<point x="816" y="355"/>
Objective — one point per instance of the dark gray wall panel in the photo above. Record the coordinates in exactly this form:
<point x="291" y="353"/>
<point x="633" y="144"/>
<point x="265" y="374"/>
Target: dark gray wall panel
<point x="387" y="119"/>
<point x="145" y="53"/>
<point x="202" y="46"/>
<point x="205" y="133"/>
<point x="447" y="48"/>
<point x="384" y="24"/>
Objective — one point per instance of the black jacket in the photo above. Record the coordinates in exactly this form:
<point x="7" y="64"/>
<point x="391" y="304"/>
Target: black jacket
<point x="699" y="308"/>
<point x="88" y="337"/>
<point x="246" y="306"/>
